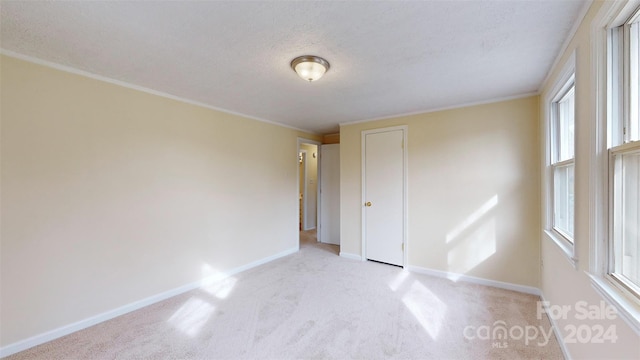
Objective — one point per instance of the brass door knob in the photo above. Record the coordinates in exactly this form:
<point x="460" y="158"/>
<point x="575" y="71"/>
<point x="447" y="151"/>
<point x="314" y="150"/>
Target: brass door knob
<point x="368" y="203"/>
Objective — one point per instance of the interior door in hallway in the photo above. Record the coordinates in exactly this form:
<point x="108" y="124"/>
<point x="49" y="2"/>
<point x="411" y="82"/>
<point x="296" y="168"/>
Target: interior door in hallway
<point x="329" y="230"/>
<point x="383" y="183"/>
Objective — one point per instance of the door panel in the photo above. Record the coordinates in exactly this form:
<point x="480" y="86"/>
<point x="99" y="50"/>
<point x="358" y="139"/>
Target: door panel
<point x="384" y="190"/>
<point x="330" y="194"/>
<point x="301" y="189"/>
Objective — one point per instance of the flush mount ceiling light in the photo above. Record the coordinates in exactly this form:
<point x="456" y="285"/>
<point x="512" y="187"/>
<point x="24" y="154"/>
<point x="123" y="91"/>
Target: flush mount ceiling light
<point x="309" y="67"/>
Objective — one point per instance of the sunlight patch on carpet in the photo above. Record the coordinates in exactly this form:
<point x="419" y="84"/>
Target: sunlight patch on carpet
<point x="426" y="307"/>
<point x="192" y="316"/>
<point x="216" y="283"/>
<point x="395" y="284"/>
<point x="222" y="288"/>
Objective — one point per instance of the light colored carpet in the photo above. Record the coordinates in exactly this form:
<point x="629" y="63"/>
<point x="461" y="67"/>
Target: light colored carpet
<point x="315" y="305"/>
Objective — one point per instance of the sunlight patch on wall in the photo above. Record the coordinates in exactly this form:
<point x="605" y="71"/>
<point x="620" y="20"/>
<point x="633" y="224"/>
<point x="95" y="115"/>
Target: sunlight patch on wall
<point x="473" y="248"/>
<point x="473" y="240"/>
<point x="472" y="219"/>
<point x="426" y="307"/>
<point x="192" y="316"/>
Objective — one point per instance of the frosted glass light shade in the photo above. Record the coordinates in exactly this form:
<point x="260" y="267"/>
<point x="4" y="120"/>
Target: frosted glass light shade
<point x="309" y="67"/>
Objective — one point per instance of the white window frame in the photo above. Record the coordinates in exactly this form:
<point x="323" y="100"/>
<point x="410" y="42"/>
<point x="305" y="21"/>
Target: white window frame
<point x="606" y="134"/>
<point x="565" y="81"/>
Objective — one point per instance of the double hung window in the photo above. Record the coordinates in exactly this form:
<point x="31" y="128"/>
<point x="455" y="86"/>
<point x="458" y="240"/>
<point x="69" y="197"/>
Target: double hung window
<point x="623" y="146"/>
<point x="563" y="161"/>
<point x="560" y="161"/>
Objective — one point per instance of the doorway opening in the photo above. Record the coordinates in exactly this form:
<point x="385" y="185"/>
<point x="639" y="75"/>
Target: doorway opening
<point x="308" y="189"/>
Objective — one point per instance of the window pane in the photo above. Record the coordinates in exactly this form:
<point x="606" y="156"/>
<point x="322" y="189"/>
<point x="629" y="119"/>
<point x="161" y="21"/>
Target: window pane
<point x="615" y="89"/>
<point x="626" y="231"/>
<point x="566" y="107"/>
<point x="563" y="199"/>
<point x="634" y="93"/>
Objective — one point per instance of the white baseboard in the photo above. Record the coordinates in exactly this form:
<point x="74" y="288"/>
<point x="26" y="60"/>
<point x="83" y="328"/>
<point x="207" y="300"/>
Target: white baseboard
<point x="475" y="280"/>
<point x="350" y="256"/>
<point x="108" y="315"/>
<point x="556" y="330"/>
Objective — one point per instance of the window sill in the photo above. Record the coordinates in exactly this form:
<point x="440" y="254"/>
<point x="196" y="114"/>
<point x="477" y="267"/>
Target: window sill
<point x="565" y="247"/>
<point x="627" y="309"/>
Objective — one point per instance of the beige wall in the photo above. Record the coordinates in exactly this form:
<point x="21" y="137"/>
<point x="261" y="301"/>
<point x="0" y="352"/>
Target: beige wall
<point x="561" y="283"/>
<point x="111" y="195"/>
<point x="473" y="190"/>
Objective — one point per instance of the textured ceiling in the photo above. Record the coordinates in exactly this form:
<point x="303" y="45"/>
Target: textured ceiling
<point x="387" y="58"/>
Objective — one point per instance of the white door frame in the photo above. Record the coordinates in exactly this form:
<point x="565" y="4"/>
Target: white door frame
<point x="304" y="187"/>
<point x="405" y="209"/>
<point x="301" y="141"/>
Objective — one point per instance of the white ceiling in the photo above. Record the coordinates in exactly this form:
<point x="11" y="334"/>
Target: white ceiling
<point x="387" y="58"/>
